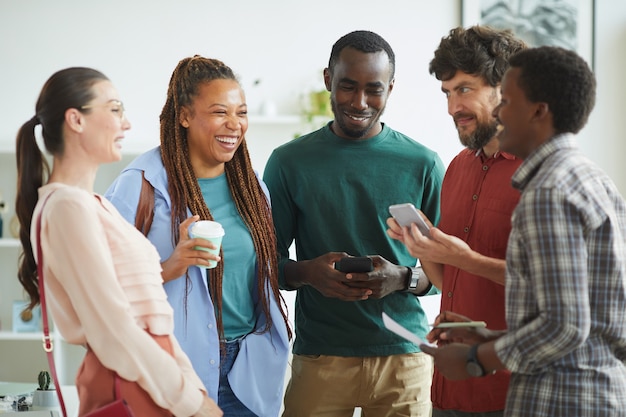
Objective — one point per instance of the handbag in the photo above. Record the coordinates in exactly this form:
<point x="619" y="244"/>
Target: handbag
<point x="117" y="408"/>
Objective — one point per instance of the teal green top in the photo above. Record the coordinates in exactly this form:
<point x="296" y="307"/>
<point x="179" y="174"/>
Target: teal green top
<point x="239" y="259"/>
<point x="333" y="194"/>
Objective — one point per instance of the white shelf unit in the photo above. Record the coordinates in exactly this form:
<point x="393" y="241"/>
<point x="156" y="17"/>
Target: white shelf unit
<point x="22" y="353"/>
<point x="10" y="335"/>
<point x="9" y="243"/>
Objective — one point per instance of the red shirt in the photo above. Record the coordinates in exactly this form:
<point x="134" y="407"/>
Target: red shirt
<point x="477" y="201"/>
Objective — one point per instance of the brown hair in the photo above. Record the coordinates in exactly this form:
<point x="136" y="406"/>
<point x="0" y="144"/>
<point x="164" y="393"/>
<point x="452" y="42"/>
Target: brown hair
<point x="244" y="186"/>
<point x="479" y="50"/>
<point x="65" y="89"/>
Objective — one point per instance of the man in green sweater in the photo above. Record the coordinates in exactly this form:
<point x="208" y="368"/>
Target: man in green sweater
<point x="331" y="190"/>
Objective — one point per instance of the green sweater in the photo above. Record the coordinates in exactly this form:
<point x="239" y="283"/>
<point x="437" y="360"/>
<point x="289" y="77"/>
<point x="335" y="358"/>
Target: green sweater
<point x="332" y="194"/>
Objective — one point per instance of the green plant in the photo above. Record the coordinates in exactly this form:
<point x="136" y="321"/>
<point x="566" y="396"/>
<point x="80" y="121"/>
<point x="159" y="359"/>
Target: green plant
<point x="318" y="105"/>
<point x="44" y="381"/>
<point x="315" y="110"/>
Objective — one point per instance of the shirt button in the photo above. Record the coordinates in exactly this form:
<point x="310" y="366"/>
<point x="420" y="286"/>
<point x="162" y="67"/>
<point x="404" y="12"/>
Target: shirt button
<point x="474" y="197"/>
<point x="449" y="294"/>
<point x="485" y="167"/>
<point x="466" y="229"/>
<point x="210" y="326"/>
<point x="212" y="362"/>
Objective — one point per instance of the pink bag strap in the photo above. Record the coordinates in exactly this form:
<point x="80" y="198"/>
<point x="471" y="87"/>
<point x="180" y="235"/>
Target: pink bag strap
<point x="47" y="339"/>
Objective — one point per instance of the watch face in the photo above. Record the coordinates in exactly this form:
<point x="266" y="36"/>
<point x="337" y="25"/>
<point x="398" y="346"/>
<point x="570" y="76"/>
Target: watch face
<point x="474" y="369"/>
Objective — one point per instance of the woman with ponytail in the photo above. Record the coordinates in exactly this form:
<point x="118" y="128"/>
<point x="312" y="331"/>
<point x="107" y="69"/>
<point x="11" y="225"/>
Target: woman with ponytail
<point x="101" y="276"/>
<point x="231" y="320"/>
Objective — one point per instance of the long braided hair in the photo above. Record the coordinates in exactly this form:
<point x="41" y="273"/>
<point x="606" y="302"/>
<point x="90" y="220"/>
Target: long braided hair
<point x="244" y="186"/>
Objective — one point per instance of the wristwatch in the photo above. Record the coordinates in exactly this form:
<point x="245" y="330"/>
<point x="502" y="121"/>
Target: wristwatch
<point x="472" y="366"/>
<point x="413" y="279"/>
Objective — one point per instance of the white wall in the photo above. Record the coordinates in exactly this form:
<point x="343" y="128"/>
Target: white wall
<point x="285" y="43"/>
<point x="604" y="138"/>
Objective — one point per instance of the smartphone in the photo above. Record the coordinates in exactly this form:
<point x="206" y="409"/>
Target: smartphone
<point x="453" y="324"/>
<point x="354" y="264"/>
<point x="406" y="213"/>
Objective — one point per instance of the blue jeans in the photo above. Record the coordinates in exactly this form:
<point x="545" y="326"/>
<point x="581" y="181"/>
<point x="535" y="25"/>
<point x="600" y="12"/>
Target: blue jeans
<point x="226" y="399"/>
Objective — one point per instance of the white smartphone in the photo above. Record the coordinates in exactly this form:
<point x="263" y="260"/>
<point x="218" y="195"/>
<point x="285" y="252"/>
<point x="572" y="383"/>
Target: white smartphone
<point x="453" y="324"/>
<point x="406" y="213"/>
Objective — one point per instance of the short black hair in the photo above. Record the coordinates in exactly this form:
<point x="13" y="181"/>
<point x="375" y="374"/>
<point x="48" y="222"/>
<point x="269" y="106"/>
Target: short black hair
<point x="560" y="78"/>
<point x="364" y="41"/>
<point x="479" y="50"/>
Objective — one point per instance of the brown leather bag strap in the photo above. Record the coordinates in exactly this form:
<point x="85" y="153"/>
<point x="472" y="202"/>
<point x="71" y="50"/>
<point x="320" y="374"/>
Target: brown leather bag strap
<point x="145" y="206"/>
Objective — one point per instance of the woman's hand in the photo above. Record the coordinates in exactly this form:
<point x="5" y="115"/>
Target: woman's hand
<point x="209" y="409"/>
<point x="185" y="253"/>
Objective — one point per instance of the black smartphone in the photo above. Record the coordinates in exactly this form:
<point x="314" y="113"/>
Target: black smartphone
<point x="354" y="264"/>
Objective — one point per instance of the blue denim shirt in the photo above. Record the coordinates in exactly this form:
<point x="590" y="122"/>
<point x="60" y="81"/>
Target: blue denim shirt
<point x="257" y="377"/>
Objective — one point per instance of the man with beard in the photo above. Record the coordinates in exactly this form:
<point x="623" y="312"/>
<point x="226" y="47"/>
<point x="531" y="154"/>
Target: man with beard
<point x="465" y="257"/>
<point x="566" y="259"/>
<point x="331" y="190"/>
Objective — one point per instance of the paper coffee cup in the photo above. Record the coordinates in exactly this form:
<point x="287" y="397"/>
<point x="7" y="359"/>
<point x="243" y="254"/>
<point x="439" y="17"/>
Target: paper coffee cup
<point x="211" y="231"/>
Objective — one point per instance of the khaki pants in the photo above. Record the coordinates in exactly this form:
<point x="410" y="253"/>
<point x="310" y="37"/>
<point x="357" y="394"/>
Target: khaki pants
<point x="332" y="386"/>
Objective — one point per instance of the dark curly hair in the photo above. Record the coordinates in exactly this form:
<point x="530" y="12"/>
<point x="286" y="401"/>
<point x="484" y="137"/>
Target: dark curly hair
<point x="479" y="50"/>
<point x="560" y="78"/>
<point x="364" y="41"/>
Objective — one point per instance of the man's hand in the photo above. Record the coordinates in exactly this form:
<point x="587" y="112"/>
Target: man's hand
<point x="450" y="359"/>
<point x="446" y="249"/>
<point x="466" y="335"/>
<point x="439" y="248"/>
<point x="321" y="274"/>
<point x="185" y="254"/>
<point x="385" y="279"/>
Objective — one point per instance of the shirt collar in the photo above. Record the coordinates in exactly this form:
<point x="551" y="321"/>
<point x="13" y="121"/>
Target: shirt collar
<point x="533" y="162"/>
<point x="496" y="155"/>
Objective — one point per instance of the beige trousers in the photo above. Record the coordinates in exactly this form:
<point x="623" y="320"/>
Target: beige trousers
<point x="332" y="386"/>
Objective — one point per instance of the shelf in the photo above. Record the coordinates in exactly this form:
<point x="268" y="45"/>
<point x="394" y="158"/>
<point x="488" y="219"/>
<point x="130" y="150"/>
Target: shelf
<point x="135" y="147"/>
<point x="9" y="335"/>
<point x="284" y="119"/>
<point x="9" y="243"/>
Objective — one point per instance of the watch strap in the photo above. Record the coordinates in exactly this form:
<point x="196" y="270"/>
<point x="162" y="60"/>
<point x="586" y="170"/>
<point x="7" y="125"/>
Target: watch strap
<point x="472" y="360"/>
<point x="413" y="279"/>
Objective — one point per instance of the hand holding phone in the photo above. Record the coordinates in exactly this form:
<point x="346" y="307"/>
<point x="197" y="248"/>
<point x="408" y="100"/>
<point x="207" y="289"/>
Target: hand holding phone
<point x="354" y="264"/>
<point x="406" y="214"/>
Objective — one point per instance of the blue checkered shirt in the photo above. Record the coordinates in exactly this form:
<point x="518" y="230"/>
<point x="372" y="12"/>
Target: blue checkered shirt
<point x="565" y="288"/>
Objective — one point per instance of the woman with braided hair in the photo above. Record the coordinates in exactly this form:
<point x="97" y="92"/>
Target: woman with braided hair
<point x="230" y="320"/>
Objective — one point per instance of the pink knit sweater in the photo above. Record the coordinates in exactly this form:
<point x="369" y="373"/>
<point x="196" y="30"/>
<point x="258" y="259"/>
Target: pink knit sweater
<point x="104" y="288"/>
